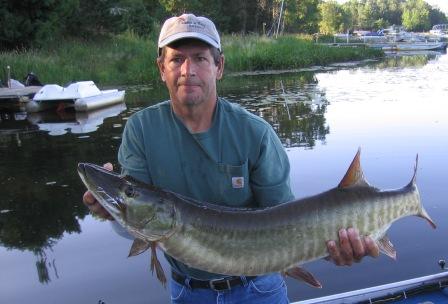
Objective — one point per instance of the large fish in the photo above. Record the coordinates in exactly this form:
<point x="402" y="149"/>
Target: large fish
<point x="233" y="241"/>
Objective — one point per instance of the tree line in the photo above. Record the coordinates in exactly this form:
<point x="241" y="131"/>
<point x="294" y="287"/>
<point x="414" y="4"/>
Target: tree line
<point x="31" y="23"/>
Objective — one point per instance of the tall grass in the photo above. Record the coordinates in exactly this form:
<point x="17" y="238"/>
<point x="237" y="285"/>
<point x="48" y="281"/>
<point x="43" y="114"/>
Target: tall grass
<point x="286" y="52"/>
<point x="124" y="59"/>
<point x="128" y="59"/>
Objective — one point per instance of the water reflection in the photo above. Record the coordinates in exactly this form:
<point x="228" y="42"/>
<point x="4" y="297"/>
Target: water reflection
<point x="42" y="200"/>
<point x="41" y="211"/>
<point x="293" y="104"/>
<point x="75" y="122"/>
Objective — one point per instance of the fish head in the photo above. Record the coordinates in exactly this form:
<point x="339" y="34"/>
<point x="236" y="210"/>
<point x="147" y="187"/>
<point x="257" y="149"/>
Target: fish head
<point x="139" y="208"/>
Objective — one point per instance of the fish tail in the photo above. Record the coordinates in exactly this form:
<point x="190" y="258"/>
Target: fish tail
<point x="422" y="213"/>
<point x="414" y="176"/>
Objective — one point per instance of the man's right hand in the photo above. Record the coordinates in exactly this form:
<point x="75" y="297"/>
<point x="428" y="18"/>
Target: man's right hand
<point x="89" y="200"/>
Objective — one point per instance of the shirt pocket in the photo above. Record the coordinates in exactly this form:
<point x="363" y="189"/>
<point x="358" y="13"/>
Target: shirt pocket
<point x="233" y="183"/>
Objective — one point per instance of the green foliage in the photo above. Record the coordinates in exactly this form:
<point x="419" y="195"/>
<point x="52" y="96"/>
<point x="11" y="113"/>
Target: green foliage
<point x="437" y="17"/>
<point x="332" y="18"/>
<point x="302" y="16"/>
<point x="129" y="59"/>
<point x="27" y="22"/>
<point x="95" y="18"/>
<point x="31" y="23"/>
<point x="124" y="59"/>
<point x="287" y="52"/>
<point x="416" y="15"/>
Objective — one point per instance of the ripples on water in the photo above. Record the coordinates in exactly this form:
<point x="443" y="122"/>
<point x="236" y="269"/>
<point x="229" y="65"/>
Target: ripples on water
<point x="52" y="248"/>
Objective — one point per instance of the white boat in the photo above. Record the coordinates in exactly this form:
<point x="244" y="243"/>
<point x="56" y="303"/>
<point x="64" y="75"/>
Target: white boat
<point x="414" y="46"/>
<point x="439" y="31"/>
<point x="427" y="289"/>
<point x="82" y="95"/>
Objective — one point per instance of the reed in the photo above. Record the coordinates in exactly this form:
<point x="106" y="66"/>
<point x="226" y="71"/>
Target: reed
<point x="128" y="59"/>
<point x="286" y="52"/>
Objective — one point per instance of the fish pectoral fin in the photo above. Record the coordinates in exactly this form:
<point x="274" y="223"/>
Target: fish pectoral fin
<point x="138" y="246"/>
<point x="387" y="247"/>
<point x="299" y="273"/>
<point x="155" y="264"/>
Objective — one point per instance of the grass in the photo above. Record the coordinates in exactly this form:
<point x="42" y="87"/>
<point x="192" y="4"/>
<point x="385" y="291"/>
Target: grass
<point x="128" y="59"/>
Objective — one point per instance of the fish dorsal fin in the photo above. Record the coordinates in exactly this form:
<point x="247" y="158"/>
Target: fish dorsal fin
<point x="387" y="247"/>
<point x="354" y="175"/>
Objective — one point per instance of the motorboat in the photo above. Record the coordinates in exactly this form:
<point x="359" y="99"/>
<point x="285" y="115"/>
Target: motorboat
<point x="426" y="289"/>
<point x="439" y="31"/>
<point x="414" y="46"/>
<point x="82" y="96"/>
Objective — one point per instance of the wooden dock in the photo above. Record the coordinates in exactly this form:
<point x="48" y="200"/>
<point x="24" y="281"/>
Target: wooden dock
<point x="16" y="98"/>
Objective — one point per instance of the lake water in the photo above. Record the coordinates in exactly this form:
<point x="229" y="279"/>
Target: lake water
<point x="53" y="251"/>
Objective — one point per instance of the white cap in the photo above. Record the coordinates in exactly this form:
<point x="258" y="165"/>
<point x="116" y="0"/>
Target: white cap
<point x="189" y="26"/>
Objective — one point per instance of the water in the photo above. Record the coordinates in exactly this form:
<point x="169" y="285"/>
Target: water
<point x="53" y="251"/>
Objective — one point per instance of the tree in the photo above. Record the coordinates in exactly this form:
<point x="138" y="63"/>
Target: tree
<point x="302" y="16"/>
<point x="332" y="17"/>
<point x="436" y="16"/>
<point x="27" y="22"/>
<point x="416" y="15"/>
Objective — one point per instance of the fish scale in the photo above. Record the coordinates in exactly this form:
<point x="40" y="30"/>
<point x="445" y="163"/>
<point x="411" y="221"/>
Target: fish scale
<point x="232" y="241"/>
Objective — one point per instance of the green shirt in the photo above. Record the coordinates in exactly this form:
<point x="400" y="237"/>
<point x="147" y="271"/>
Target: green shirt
<point x="239" y="161"/>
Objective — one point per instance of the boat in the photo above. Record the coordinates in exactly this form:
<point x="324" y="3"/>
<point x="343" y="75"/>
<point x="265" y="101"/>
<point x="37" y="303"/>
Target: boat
<point x="426" y="289"/>
<point x="439" y="31"/>
<point x="82" y="96"/>
<point x="414" y="46"/>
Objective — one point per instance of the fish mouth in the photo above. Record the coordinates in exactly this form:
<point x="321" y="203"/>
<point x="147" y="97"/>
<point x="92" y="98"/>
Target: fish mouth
<point x="104" y="186"/>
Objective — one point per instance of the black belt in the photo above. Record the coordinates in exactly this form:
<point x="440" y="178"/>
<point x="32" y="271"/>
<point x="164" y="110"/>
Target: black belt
<point x="217" y="284"/>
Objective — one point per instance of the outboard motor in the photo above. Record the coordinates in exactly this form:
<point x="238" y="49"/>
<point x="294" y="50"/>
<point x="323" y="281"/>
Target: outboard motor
<point x="32" y="80"/>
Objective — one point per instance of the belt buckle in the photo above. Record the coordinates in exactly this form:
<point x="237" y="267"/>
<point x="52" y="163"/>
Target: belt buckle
<point x="224" y="288"/>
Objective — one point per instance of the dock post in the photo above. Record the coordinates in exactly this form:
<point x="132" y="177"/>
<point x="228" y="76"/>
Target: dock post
<point x="8" y="76"/>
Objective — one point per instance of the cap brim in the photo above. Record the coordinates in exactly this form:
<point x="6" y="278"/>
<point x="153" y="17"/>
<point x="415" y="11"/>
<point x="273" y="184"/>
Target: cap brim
<point x="193" y="35"/>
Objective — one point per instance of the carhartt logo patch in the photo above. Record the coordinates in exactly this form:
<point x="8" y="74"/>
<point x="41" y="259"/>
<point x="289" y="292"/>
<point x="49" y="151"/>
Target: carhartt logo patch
<point x="237" y="182"/>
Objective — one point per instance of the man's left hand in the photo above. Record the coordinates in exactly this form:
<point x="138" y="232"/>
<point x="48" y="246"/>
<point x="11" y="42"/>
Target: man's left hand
<point x="351" y="248"/>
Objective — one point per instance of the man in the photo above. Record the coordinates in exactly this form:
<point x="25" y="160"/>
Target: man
<point x="204" y="147"/>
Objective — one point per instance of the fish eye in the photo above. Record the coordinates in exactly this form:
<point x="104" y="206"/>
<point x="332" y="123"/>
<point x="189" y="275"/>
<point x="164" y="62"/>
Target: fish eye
<point x="129" y="191"/>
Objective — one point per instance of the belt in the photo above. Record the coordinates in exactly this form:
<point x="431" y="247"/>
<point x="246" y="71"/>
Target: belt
<point x="216" y="284"/>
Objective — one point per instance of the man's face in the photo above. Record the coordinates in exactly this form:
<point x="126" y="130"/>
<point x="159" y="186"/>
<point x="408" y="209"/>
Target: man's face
<point x="190" y="73"/>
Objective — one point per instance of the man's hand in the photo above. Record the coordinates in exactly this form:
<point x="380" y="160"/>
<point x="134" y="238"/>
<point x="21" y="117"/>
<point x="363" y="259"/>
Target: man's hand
<point x="352" y="248"/>
<point x="89" y="200"/>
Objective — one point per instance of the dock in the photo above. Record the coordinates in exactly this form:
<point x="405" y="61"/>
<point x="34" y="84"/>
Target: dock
<point x="16" y="98"/>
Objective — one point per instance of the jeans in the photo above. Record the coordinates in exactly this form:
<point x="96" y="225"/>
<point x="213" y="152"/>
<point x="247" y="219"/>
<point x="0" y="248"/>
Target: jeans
<point x="266" y="289"/>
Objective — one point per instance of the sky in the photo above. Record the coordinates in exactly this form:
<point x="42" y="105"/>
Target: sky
<point x="442" y="4"/>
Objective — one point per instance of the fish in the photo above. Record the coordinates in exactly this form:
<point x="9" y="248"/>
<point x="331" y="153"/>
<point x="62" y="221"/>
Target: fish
<point x="251" y="241"/>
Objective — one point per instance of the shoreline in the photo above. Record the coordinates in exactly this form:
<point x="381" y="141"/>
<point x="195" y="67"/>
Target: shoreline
<point x="129" y="60"/>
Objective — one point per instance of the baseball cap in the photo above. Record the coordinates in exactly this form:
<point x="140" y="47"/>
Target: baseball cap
<point x="189" y="26"/>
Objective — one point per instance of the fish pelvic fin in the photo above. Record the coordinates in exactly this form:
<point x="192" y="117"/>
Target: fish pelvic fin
<point x="387" y="247"/>
<point x="155" y="264"/>
<point x="302" y="274"/>
<point x="354" y="175"/>
<point x="138" y="246"/>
